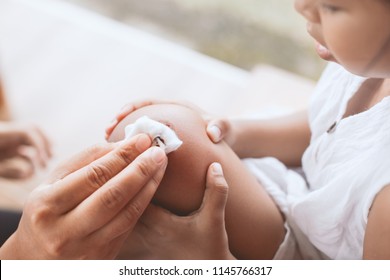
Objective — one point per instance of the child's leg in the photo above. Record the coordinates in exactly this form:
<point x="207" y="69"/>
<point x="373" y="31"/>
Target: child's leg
<point x="253" y="222"/>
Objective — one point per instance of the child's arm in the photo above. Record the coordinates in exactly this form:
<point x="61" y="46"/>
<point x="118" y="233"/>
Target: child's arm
<point x="284" y="138"/>
<point x="377" y="237"/>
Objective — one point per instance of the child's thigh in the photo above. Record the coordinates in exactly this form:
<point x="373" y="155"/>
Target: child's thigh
<point x="253" y="222"/>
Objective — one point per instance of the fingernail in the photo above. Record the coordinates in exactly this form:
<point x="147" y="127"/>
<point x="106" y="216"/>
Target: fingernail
<point x="217" y="168"/>
<point x="126" y="108"/>
<point x="215" y="132"/>
<point x="110" y="128"/>
<point x="142" y="142"/>
<point x="114" y="122"/>
<point x="158" y="155"/>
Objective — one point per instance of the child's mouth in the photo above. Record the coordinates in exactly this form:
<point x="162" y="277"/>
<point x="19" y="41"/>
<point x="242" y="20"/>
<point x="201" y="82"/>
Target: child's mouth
<point x="323" y="52"/>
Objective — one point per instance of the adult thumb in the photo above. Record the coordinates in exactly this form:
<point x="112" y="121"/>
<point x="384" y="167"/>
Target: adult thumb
<point x="216" y="193"/>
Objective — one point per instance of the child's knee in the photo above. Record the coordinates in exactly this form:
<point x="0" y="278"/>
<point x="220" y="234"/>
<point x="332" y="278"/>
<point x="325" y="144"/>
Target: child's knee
<point x="182" y="188"/>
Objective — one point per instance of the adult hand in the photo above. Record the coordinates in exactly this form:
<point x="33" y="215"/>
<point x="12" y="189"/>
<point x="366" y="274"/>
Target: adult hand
<point x="22" y="141"/>
<point x="202" y="235"/>
<point x="218" y="129"/>
<point x="89" y="204"/>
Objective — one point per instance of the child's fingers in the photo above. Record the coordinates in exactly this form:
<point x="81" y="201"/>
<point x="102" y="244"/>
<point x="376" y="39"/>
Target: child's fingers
<point x="134" y="106"/>
<point x="217" y="129"/>
<point x="127" y="110"/>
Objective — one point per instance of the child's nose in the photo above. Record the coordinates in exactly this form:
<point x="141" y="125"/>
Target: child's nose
<point x="308" y="9"/>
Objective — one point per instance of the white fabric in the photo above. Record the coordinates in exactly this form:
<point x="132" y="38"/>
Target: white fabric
<point x="344" y="169"/>
<point x="285" y="186"/>
<point x="170" y="141"/>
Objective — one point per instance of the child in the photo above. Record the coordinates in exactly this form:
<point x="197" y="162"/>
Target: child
<point x="251" y="236"/>
<point x="344" y="210"/>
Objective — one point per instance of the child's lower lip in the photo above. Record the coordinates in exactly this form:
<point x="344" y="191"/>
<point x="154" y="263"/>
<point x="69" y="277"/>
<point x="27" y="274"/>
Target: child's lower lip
<point x="323" y="52"/>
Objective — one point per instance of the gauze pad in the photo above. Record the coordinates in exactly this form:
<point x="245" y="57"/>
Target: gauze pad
<point x="162" y="135"/>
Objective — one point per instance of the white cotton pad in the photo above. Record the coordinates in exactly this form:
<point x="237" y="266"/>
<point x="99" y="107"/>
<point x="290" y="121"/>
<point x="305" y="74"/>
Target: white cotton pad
<point x="161" y="134"/>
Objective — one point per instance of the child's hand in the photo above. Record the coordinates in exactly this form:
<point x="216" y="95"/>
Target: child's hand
<point x="125" y="111"/>
<point x="221" y="129"/>
<point x="134" y="106"/>
<point x="217" y="129"/>
<point x="201" y="235"/>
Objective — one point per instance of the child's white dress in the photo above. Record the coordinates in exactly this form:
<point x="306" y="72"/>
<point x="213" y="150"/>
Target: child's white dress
<point x="346" y="165"/>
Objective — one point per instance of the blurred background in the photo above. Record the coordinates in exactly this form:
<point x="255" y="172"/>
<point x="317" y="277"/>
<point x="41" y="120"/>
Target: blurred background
<point x="243" y="33"/>
<point x="68" y="66"/>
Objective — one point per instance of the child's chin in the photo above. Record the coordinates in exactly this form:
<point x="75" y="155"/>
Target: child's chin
<point x="324" y="53"/>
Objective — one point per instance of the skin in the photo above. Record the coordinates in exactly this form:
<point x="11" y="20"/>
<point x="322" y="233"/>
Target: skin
<point x="338" y="25"/>
<point x="192" y="178"/>
<point x="24" y="142"/>
<point x="161" y="235"/>
<point x="4" y="112"/>
<point x="352" y="32"/>
<point x="349" y="32"/>
<point x="89" y="204"/>
<point x="253" y="223"/>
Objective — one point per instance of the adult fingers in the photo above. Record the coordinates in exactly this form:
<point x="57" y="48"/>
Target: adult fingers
<point x="77" y="186"/>
<point x="46" y="142"/>
<point x="17" y="158"/>
<point x="127" y="218"/>
<point x="106" y="202"/>
<point x="16" y="168"/>
<point x="30" y="154"/>
<point x="216" y="193"/>
<point x="32" y="136"/>
<point x="79" y="161"/>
